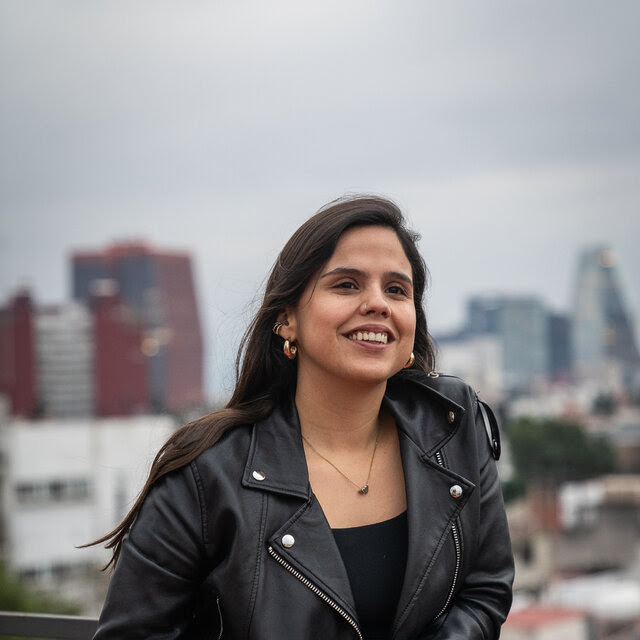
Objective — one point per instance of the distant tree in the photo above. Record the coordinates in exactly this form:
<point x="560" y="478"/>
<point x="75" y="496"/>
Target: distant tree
<point x="513" y="489"/>
<point x="16" y="596"/>
<point x="551" y="451"/>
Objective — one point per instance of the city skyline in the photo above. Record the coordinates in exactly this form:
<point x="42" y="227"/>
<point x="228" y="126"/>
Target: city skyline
<point x="507" y="134"/>
<point x="216" y="353"/>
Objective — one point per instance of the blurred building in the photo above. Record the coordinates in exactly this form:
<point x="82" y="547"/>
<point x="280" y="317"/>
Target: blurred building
<point x="477" y="360"/>
<point x="18" y="380"/>
<point x="159" y="291"/>
<point x="504" y="345"/>
<point x="560" y="347"/>
<point x="520" y="323"/>
<point x="604" y="345"/>
<point x="612" y="600"/>
<point x="120" y="367"/>
<point x="626" y="442"/>
<point x="65" y="483"/>
<point x="587" y="528"/>
<point x="599" y="520"/>
<point x="547" y="623"/>
<point x="64" y="365"/>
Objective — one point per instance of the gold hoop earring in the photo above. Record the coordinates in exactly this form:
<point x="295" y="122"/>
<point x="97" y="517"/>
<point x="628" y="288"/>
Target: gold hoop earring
<point x="290" y="350"/>
<point x="411" y="360"/>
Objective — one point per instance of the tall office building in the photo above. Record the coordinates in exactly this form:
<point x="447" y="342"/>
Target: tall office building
<point x="521" y="325"/>
<point x="158" y="288"/>
<point x="604" y="344"/>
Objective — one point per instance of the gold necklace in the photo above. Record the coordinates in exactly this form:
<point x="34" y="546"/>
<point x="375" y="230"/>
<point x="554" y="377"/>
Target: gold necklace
<point x="363" y="490"/>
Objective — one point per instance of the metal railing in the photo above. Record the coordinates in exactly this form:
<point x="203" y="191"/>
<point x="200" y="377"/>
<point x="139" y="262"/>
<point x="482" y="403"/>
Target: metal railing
<point x="47" y="626"/>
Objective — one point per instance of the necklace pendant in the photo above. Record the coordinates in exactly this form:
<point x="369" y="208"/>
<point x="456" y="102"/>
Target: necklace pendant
<point x="364" y="490"/>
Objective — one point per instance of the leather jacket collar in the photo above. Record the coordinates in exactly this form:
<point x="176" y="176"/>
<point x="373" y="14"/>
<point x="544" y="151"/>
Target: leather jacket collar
<point x="276" y="446"/>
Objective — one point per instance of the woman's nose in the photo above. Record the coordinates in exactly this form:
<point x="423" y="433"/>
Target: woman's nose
<point x="376" y="304"/>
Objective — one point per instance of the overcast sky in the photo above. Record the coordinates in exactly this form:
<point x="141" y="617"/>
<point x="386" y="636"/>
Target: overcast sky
<point x="509" y="133"/>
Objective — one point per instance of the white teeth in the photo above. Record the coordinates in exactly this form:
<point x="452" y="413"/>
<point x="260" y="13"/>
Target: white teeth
<point x="369" y="336"/>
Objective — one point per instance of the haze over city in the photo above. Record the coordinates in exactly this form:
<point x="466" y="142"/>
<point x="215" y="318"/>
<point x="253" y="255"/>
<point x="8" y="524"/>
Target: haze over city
<point x="508" y="134"/>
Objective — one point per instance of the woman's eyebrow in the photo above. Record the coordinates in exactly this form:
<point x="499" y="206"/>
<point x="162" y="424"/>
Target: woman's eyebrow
<point x="343" y="271"/>
<point x="351" y="271"/>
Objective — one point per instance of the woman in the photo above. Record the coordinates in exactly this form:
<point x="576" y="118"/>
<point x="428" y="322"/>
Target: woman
<point x="343" y="492"/>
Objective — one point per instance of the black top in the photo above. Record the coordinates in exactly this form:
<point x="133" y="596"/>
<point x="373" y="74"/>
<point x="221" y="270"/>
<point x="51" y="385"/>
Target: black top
<point x="375" y="557"/>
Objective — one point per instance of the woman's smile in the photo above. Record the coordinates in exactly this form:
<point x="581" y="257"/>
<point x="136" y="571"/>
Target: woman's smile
<point x="370" y="336"/>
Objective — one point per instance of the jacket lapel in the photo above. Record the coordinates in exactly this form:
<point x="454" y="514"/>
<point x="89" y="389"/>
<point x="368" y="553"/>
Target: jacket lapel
<point x="306" y="543"/>
<point x="276" y="459"/>
<point x="425" y="425"/>
<point x="302" y="536"/>
<point x="431" y="512"/>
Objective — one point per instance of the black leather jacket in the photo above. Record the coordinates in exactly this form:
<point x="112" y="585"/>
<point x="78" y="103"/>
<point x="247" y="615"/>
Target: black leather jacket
<point x="235" y="545"/>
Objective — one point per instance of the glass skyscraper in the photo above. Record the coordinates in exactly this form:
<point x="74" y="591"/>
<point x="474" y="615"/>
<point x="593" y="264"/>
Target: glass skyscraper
<point x="603" y="336"/>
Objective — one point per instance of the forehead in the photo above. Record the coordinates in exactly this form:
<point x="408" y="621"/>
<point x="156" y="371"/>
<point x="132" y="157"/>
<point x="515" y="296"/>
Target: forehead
<point x="373" y="243"/>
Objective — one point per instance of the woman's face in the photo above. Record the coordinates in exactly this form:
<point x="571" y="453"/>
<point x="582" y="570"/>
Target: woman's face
<point x="356" y="318"/>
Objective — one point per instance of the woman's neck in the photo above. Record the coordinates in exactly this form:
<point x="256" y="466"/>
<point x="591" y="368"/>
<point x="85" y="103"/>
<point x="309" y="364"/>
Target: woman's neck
<point x="338" y="415"/>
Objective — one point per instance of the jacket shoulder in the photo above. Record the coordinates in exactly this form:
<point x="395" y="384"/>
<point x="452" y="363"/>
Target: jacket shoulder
<point x="444" y="388"/>
<point x="438" y="385"/>
<point x="225" y="453"/>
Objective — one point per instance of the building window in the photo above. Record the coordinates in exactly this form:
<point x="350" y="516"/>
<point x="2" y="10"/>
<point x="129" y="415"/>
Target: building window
<point x="53" y="491"/>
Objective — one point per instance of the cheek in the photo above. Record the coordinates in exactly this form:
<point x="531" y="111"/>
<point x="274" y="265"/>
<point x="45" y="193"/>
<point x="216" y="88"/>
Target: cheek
<point x="409" y="324"/>
<point x="315" y="319"/>
<point x="324" y="323"/>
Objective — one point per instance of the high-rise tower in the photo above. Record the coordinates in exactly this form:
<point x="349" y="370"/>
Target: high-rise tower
<point x="604" y="345"/>
<point x="521" y="325"/>
<point x="158" y="288"/>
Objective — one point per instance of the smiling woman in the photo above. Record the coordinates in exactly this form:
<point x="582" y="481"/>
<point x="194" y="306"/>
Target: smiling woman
<point x="346" y="490"/>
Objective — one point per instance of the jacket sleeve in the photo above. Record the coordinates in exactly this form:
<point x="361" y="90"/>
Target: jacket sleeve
<point x="153" y="590"/>
<point x="483" y="602"/>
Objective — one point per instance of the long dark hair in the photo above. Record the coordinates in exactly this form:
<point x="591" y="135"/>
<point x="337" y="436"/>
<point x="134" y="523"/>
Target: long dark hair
<point x="264" y="376"/>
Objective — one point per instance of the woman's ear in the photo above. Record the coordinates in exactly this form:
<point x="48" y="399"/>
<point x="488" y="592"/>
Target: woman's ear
<point x="288" y="318"/>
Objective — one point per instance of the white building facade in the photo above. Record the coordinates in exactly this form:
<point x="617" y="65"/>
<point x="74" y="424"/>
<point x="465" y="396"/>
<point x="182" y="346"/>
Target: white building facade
<point x="66" y="483"/>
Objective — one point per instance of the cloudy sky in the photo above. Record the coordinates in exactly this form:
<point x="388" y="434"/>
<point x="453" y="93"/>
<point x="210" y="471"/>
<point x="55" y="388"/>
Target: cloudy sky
<point x="509" y="132"/>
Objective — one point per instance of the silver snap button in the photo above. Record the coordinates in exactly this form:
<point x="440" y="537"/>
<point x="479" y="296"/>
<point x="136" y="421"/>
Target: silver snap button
<point x="451" y="416"/>
<point x="288" y="541"/>
<point x="259" y="475"/>
<point x="456" y="491"/>
<point x="433" y="374"/>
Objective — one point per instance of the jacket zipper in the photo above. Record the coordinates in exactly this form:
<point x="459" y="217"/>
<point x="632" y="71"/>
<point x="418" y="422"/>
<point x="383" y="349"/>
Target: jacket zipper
<point x="219" y="616"/>
<point x="456" y="542"/>
<point x="323" y="596"/>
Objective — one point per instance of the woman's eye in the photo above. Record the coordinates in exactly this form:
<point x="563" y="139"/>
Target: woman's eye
<point x="396" y="290"/>
<point x="345" y="285"/>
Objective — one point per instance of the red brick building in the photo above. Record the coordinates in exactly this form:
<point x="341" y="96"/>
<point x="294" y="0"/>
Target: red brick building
<point x="121" y="384"/>
<point x="158" y="291"/>
<point x="18" y="377"/>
